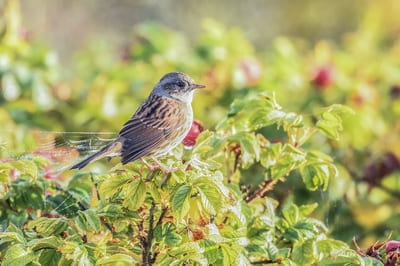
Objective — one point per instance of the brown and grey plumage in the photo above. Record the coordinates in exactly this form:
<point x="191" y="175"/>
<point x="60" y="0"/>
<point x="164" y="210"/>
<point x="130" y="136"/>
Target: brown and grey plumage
<point x="159" y="124"/>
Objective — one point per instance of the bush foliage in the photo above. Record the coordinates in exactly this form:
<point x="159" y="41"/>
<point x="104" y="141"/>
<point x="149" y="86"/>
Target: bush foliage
<point x="284" y="174"/>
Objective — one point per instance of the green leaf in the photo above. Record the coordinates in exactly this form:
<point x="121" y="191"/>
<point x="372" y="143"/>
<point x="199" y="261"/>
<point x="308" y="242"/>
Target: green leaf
<point x="113" y="184"/>
<point x="172" y="239"/>
<point x="52" y="242"/>
<point x="250" y="150"/>
<point x="49" y="257"/>
<point x="211" y="251"/>
<point x="93" y="220"/>
<point x="112" y="211"/>
<point x="25" y="167"/>
<point x="117" y="260"/>
<point x="316" y="175"/>
<point x="12" y="233"/>
<point x="81" y="221"/>
<point x="180" y="200"/>
<point x="330" y="122"/>
<point x="291" y="214"/>
<point x="305" y="254"/>
<point x="230" y="253"/>
<point x="211" y="197"/>
<point x="48" y="226"/>
<point x="135" y="194"/>
<point x="202" y="143"/>
<point x="272" y="251"/>
<point x="308" y="209"/>
<point x="17" y="255"/>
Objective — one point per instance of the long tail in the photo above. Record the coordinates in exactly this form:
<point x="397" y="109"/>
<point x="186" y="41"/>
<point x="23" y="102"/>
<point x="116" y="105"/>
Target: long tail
<point x="112" y="149"/>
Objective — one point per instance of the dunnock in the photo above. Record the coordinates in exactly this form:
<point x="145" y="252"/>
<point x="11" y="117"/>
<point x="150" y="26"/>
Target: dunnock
<point x="159" y="124"/>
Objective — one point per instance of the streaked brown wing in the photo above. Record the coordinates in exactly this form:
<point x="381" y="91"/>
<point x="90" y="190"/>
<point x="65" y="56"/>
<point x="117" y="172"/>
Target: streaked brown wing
<point x="150" y="128"/>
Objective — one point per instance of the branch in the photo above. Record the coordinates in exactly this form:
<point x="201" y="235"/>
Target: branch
<point x="266" y="186"/>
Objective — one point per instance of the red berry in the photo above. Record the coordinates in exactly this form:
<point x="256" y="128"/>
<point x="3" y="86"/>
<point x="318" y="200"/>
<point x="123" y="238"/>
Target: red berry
<point x="193" y="133"/>
<point x="252" y="70"/>
<point x="392" y="246"/>
<point x="323" y="77"/>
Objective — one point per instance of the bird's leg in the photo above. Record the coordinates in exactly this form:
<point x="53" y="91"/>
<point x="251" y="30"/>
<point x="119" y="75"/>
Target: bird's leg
<point x="165" y="170"/>
<point x="150" y="167"/>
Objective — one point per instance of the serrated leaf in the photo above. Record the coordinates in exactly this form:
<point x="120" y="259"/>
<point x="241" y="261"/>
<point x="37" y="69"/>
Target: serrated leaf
<point x="51" y="242"/>
<point x="112" y="211"/>
<point x="211" y="251"/>
<point x="17" y="255"/>
<point x="305" y="254"/>
<point x="93" y="220"/>
<point x="316" y="175"/>
<point x="291" y="214"/>
<point x="330" y="122"/>
<point x="135" y="194"/>
<point x="12" y="233"/>
<point x="81" y="221"/>
<point x="250" y="150"/>
<point x="117" y="260"/>
<point x="272" y="251"/>
<point x="113" y="184"/>
<point x="180" y="200"/>
<point x="308" y="209"/>
<point x="48" y="226"/>
<point x="25" y="167"/>
<point x="230" y="254"/>
<point x="211" y="197"/>
<point x="49" y="257"/>
<point x="202" y="143"/>
<point x="172" y="239"/>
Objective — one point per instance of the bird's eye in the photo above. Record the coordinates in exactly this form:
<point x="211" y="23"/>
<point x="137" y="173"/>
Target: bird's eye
<point x="181" y="84"/>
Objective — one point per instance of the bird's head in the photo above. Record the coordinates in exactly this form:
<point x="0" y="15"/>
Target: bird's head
<point x="177" y="85"/>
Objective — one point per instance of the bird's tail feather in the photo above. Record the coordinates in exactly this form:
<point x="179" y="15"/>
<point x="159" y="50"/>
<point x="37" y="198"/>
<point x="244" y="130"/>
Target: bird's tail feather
<point x="112" y="149"/>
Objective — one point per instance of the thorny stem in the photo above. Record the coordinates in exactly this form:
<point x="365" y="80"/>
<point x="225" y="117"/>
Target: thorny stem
<point x="159" y="222"/>
<point x="266" y="186"/>
<point x="146" y="243"/>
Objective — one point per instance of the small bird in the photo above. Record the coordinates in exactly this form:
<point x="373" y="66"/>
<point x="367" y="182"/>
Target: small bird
<point x="158" y="125"/>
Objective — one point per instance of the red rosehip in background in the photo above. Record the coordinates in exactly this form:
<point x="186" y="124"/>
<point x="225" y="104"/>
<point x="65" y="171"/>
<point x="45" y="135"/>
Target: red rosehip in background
<point x="395" y="92"/>
<point x="193" y="133"/>
<point x="252" y="70"/>
<point x="323" y="77"/>
<point x="392" y="246"/>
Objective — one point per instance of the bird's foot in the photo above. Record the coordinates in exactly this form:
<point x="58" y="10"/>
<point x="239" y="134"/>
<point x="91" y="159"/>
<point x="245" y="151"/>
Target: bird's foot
<point x="166" y="170"/>
<point x="158" y="166"/>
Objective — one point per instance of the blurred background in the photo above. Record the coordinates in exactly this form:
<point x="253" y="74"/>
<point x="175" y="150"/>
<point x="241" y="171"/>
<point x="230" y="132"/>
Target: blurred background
<point x="73" y="66"/>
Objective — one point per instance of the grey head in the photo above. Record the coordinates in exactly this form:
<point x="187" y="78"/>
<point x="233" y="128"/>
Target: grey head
<point x="177" y="85"/>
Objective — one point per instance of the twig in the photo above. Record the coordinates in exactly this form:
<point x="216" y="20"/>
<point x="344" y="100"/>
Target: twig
<point x="262" y="262"/>
<point x="95" y="186"/>
<point x="379" y="185"/>
<point x="266" y="186"/>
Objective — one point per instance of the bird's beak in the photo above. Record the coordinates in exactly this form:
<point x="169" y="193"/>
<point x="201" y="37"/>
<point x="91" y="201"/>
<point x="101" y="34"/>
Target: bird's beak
<point x="198" y="86"/>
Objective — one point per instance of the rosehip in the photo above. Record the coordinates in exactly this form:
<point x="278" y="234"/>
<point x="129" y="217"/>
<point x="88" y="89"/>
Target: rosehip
<point x="252" y="70"/>
<point x="392" y="246"/>
<point x="395" y="92"/>
<point x="323" y="77"/>
<point x="193" y="133"/>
